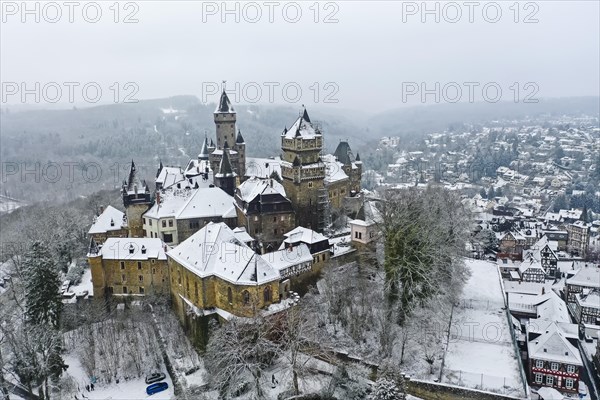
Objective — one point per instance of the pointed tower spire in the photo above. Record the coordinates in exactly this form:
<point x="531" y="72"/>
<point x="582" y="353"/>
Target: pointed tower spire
<point x="357" y="157"/>
<point x="204" y="151"/>
<point x="305" y="115"/>
<point x="224" y="104"/>
<point x="239" y="138"/>
<point x="225" y="168"/>
<point x="93" y="248"/>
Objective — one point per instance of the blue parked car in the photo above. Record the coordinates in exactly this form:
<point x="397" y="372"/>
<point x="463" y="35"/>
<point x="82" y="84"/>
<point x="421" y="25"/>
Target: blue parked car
<point x="157" y="387"/>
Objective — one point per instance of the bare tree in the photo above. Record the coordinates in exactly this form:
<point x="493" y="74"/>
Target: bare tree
<point x="240" y="349"/>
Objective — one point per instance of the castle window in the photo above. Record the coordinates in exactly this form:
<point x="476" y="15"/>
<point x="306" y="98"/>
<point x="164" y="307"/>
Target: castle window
<point x="141" y="290"/>
<point x="275" y="220"/>
<point x="245" y="298"/>
<point x="141" y="278"/>
<point x="229" y="296"/>
<point x="571" y="369"/>
<point x="144" y="219"/>
<point x="110" y="290"/>
<point x="153" y="270"/>
<point x="149" y="222"/>
<point x="139" y="265"/>
<point x="538" y="378"/>
<point x="283" y="217"/>
<point x="122" y="264"/>
<point x="310" y="184"/>
<point x="170" y="223"/>
<point x="124" y="289"/>
<point x="123" y="277"/>
<point x="554" y="366"/>
<point x="256" y="218"/>
<point x="196" y="289"/>
<point x="164" y="224"/>
<point x="267" y="294"/>
<point x="549" y="380"/>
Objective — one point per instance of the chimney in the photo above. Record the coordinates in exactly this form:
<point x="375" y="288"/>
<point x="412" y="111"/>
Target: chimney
<point x="101" y="209"/>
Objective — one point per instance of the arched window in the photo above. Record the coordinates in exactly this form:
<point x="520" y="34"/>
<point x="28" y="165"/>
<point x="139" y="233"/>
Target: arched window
<point x="229" y="296"/>
<point x="245" y="297"/>
<point x="267" y="294"/>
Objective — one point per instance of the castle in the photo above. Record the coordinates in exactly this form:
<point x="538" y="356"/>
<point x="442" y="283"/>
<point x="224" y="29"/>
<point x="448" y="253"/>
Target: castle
<point x="221" y="236"/>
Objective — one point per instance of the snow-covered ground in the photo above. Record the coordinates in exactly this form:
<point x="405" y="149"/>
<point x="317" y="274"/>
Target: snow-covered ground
<point x="132" y="389"/>
<point x="480" y="353"/>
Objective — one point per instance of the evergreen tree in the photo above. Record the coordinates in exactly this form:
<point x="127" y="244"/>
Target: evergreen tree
<point x="386" y="389"/>
<point x="42" y="287"/>
<point x="560" y="203"/>
<point x="491" y="193"/>
<point x="499" y="192"/>
<point x="483" y="193"/>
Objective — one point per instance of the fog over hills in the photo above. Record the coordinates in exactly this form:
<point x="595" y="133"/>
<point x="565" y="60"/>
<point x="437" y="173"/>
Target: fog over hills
<point x="108" y="137"/>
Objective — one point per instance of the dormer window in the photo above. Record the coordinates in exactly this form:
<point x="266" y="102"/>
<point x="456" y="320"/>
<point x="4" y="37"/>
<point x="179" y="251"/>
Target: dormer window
<point x="131" y="249"/>
<point x="143" y="249"/>
<point x="112" y="222"/>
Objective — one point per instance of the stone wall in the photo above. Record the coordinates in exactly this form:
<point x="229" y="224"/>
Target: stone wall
<point x="436" y="391"/>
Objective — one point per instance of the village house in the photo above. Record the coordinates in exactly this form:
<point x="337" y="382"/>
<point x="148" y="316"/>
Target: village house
<point x="587" y="277"/>
<point x="586" y="311"/>
<point x="511" y="246"/>
<point x="579" y="235"/>
<point x="553" y="357"/>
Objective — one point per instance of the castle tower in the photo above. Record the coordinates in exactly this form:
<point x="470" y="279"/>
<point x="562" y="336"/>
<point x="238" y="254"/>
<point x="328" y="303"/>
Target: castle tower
<point x="137" y="200"/>
<point x="302" y="170"/>
<point x="97" y="270"/>
<point x="225" y="120"/>
<point x="240" y="147"/>
<point x="225" y="176"/>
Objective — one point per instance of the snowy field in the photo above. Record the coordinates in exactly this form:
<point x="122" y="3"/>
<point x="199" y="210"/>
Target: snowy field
<point x="480" y="353"/>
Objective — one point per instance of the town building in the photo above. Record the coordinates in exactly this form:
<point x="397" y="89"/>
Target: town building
<point x="579" y="235"/>
<point x="553" y="357"/>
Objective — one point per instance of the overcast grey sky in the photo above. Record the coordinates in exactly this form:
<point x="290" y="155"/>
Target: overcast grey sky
<point x="374" y="57"/>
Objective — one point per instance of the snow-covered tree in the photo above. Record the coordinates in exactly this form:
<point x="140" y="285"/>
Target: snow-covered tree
<point x="386" y="389"/>
<point x="239" y="351"/>
<point x="424" y="234"/>
<point x="42" y="287"/>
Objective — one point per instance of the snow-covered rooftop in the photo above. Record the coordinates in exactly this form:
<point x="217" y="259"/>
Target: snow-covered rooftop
<point x="304" y="235"/>
<point x="302" y="128"/>
<point x="286" y="258"/>
<point x="255" y="186"/>
<point x="110" y="219"/>
<point x="552" y="345"/>
<point x="586" y="276"/>
<point x="133" y="249"/>
<point x="216" y="250"/>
